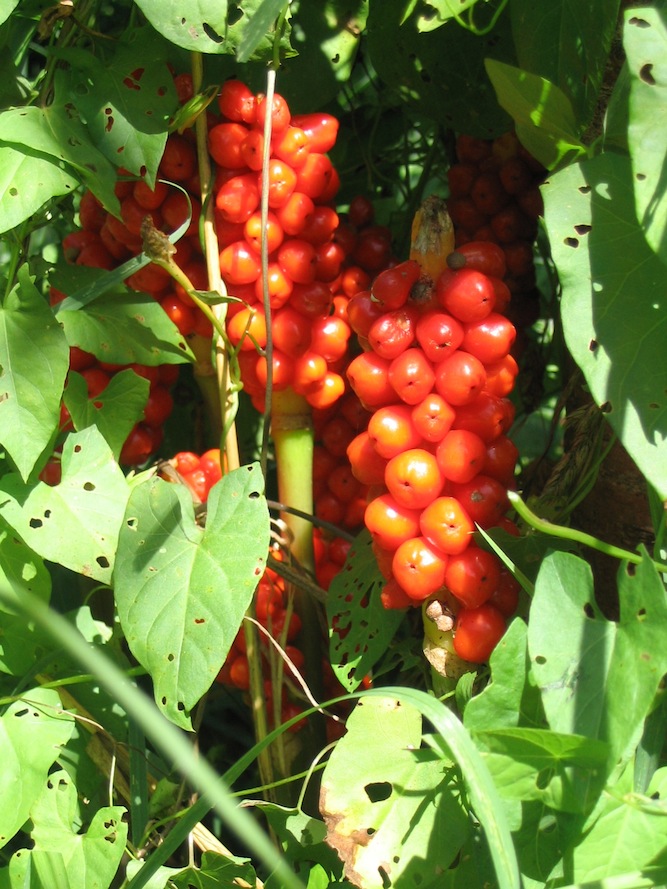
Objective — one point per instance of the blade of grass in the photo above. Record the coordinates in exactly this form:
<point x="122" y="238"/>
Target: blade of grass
<point x="138" y="782"/>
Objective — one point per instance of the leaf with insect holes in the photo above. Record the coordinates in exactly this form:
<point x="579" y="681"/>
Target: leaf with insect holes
<point x="614" y="303"/>
<point x="182" y="590"/>
<point x="126" y="328"/>
<point x="114" y="411"/>
<point x="61" y="850"/>
<point x="361" y="627"/>
<point x="33" y="365"/>
<point x="32" y="731"/>
<point x="126" y="99"/>
<point x="384" y="800"/>
<point x="645" y="43"/>
<point x="597" y="677"/>
<point x="76" y="522"/>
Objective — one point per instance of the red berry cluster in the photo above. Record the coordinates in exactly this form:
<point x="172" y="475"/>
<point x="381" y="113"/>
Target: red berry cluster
<point x="495" y="196"/>
<point x="198" y="473"/>
<point x="315" y="262"/>
<point x="436" y="374"/>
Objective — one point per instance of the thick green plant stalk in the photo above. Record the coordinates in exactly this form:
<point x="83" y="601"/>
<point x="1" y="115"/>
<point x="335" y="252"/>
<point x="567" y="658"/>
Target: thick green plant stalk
<point x="165" y="736"/>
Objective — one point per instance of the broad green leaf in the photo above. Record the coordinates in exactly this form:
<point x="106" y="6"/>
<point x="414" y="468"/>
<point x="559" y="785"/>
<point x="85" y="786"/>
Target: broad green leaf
<point x="537" y="764"/>
<point x="544" y="118"/>
<point x="182" y="590"/>
<point x="125" y="327"/>
<point x="6" y="9"/>
<point x="629" y="832"/>
<point x="360" y="627"/>
<point x="597" y="678"/>
<point x="114" y="411"/>
<point x="208" y="26"/>
<point x="386" y="808"/>
<point x="75" y="523"/>
<point x="614" y="305"/>
<point x="34" y="359"/>
<point x="259" y="25"/>
<point x="568" y="44"/>
<point x="126" y="100"/>
<point x="645" y="43"/>
<point x="62" y="856"/>
<point x="511" y="698"/>
<point x="325" y="52"/>
<point x="32" y="731"/>
<point x="27" y="182"/>
<point x="440" y="74"/>
<point x="20" y="567"/>
<point x="55" y="131"/>
<point x="22" y="646"/>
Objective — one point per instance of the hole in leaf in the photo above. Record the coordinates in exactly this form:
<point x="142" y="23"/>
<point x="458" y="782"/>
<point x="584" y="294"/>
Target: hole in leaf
<point x="132" y="524"/>
<point x="211" y="33"/>
<point x="234" y="14"/>
<point x="640" y="177"/>
<point x="654" y="405"/>
<point x="606" y="408"/>
<point x="588" y="611"/>
<point x="23" y="712"/>
<point x="253" y="495"/>
<point x="582" y="229"/>
<point x="641" y="614"/>
<point x="163" y="701"/>
<point x="88" y="486"/>
<point x="47" y="513"/>
<point x="592" y="346"/>
<point x="180" y="706"/>
<point x="336" y="59"/>
<point x="77" y="449"/>
<point x="13" y="191"/>
<point x="102" y="561"/>
<point x="638" y="23"/>
<point x="540" y="659"/>
<point x="571" y="242"/>
<point x="171" y="657"/>
<point x="585" y="189"/>
<point x="378" y="791"/>
<point x="646" y="73"/>
<point x="35" y="523"/>
<point x="200" y="620"/>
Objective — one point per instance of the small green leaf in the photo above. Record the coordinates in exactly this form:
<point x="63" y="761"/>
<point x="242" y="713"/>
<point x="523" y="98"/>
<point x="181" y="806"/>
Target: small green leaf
<point x="34" y="359"/>
<point x="27" y="182"/>
<point x="75" y="523"/>
<point x="614" y="306"/>
<point x="114" y="411"/>
<point x="383" y="803"/>
<point x="543" y="114"/>
<point x="182" y="590"/>
<point x="645" y="43"/>
<point x="126" y="327"/>
<point x="32" y="731"/>
<point x="511" y="698"/>
<point x="215" y="871"/>
<point x="361" y="627"/>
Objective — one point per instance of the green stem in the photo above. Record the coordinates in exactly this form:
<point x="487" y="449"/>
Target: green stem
<point x="582" y="537"/>
<point x="292" y="432"/>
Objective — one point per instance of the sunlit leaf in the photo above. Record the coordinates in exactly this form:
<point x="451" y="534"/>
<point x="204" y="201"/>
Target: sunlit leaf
<point x="27" y="182"/>
<point x="645" y="42"/>
<point x="182" y="590"/>
<point x="543" y="114"/>
<point x="614" y="304"/>
<point x="75" y="523"/>
<point x="34" y="359"/>
<point x="32" y="731"/>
